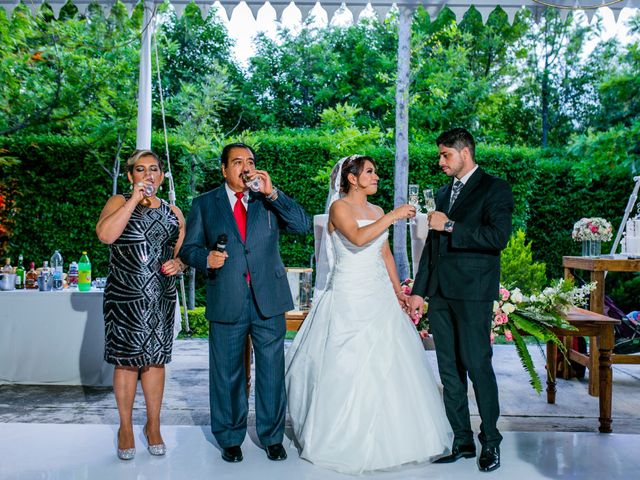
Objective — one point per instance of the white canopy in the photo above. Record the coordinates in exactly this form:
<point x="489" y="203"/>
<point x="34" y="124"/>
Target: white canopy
<point x="381" y="7"/>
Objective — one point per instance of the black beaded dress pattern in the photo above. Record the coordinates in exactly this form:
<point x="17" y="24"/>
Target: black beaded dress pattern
<point x="139" y="300"/>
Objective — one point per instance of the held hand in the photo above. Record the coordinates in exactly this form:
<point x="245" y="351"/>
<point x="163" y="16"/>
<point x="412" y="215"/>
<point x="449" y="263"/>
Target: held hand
<point x="216" y="259"/>
<point x="137" y="192"/>
<point x="436" y="220"/>
<point x="172" y="267"/>
<point x="414" y="304"/>
<point x="266" y="186"/>
<point x="403" y="300"/>
<point x="404" y="212"/>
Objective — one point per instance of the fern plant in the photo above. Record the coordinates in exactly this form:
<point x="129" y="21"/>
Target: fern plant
<point x="537" y="315"/>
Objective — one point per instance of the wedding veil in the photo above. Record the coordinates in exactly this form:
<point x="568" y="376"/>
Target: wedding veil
<point x="325" y="254"/>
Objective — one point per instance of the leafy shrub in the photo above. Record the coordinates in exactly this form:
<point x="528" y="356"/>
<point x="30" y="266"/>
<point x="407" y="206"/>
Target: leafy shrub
<point x="517" y="267"/>
<point x="197" y="322"/>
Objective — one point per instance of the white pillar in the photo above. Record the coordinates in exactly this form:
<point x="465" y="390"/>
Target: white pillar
<point x="143" y="141"/>
<point x="401" y="175"/>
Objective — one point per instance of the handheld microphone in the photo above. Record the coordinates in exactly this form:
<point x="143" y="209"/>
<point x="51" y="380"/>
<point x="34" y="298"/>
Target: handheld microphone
<point x="221" y="243"/>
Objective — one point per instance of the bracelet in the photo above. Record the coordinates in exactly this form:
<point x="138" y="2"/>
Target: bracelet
<point x="273" y="196"/>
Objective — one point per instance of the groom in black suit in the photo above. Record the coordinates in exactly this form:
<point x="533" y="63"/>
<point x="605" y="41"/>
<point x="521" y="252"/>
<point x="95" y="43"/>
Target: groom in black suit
<point x="247" y="293"/>
<point x="459" y="272"/>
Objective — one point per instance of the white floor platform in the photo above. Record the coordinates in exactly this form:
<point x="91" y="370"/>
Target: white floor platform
<point x="73" y="451"/>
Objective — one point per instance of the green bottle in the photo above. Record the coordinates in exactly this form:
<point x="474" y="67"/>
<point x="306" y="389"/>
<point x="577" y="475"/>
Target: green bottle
<point x="84" y="273"/>
<point x="20" y="273"/>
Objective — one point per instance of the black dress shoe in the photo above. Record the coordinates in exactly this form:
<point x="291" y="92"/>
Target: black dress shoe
<point x="458" y="452"/>
<point x="489" y="459"/>
<point x="276" y="452"/>
<point x="232" y="454"/>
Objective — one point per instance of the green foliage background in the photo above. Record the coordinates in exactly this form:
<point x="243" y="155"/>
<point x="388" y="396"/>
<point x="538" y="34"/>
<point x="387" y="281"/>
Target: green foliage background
<point x="61" y="188"/>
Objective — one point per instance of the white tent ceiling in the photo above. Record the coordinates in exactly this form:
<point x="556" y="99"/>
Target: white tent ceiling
<point x="381" y="7"/>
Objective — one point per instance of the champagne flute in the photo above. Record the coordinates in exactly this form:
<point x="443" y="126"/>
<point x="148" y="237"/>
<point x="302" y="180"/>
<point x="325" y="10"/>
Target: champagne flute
<point x="429" y="200"/>
<point x="414" y="199"/>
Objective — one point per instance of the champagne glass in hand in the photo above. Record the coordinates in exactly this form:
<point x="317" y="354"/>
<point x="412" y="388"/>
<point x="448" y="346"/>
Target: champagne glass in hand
<point x="414" y="199"/>
<point x="429" y="200"/>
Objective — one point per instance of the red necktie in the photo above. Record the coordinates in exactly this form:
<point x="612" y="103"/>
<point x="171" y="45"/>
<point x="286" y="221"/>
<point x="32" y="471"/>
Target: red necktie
<point x="240" y="214"/>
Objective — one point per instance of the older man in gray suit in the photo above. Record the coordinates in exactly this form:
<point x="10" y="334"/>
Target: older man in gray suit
<point x="247" y="293"/>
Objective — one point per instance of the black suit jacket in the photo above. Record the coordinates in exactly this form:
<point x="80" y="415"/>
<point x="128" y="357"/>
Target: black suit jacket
<point x="210" y="216"/>
<point x="465" y="264"/>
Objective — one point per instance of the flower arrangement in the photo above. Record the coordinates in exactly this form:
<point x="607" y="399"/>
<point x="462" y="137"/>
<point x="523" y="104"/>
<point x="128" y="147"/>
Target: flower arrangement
<point x="592" y="229"/>
<point x="516" y="314"/>
<point x="419" y="319"/>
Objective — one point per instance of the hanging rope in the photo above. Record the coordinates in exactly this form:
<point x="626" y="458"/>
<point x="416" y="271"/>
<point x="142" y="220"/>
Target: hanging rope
<point x="169" y="175"/>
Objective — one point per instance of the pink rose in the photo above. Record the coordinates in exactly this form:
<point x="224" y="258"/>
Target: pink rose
<point x="406" y="289"/>
<point x="504" y="293"/>
<point x="508" y="335"/>
<point x="501" y="319"/>
<point x="492" y="336"/>
<point x="593" y="228"/>
<point x="424" y="334"/>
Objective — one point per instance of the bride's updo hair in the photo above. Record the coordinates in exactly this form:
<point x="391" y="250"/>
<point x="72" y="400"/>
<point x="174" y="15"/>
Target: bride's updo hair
<point x="353" y="164"/>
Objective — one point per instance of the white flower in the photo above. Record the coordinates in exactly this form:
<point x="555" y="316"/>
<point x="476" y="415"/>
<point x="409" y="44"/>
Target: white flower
<point x="508" y="308"/>
<point x="592" y="229"/>
<point x="533" y="298"/>
<point x="496" y="306"/>
<point x="516" y="296"/>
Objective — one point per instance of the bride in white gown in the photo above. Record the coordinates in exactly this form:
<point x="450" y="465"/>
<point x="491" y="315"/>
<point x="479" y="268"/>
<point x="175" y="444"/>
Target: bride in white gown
<point x="361" y="393"/>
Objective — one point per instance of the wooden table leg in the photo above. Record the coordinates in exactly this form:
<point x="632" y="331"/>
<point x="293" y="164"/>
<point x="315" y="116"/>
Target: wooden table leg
<point x="247" y="363"/>
<point x="606" y="379"/>
<point x="594" y="366"/>
<point x="596" y="304"/>
<point x="552" y="357"/>
<point x="565" y="366"/>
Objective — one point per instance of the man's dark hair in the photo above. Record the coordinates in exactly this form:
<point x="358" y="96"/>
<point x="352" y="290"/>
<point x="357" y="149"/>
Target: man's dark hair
<point x="458" y="138"/>
<point x="224" y="156"/>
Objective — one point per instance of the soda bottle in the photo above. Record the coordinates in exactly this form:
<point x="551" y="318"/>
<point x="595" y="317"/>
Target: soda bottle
<point x="56" y="270"/>
<point x="72" y="276"/>
<point x="84" y="273"/>
<point x="20" y="273"/>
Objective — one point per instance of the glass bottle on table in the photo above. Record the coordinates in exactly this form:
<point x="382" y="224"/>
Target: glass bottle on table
<point x="31" y="278"/>
<point x="7" y="266"/>
<point x="20" y="273"/>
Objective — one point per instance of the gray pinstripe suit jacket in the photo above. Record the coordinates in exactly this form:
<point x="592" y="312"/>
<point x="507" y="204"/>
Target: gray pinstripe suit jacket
<point x="210" y="216"/>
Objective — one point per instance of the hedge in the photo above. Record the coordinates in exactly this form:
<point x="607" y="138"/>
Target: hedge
<point x="61" y="187"/>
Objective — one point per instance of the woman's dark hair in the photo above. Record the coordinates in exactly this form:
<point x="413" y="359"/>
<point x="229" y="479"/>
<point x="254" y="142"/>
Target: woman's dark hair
<point x="138" y="154"/>
<point x="353" y="164"/>
<point x="224" y="156"/>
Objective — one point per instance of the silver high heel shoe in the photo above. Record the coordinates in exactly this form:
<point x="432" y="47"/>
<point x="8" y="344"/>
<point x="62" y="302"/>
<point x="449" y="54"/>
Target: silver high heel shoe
<point x="126" y="453"/>
<point x="157" y="450"/>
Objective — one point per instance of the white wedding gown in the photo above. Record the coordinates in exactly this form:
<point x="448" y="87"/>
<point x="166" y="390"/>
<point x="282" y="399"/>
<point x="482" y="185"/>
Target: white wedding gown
<point x="361" y="393"/>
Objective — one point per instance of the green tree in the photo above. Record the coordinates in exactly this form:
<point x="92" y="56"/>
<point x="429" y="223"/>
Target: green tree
<point x="555" y="80"/>
<point x="293" y="79"/>
<point x="517" y="268"/>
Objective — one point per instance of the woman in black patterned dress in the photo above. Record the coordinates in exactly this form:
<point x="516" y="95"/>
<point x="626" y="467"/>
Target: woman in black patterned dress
<point x="144" y="234"/>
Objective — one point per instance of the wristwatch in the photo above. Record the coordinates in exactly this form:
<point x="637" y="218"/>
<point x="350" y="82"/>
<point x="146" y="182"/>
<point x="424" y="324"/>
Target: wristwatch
<point x="448" y="226"/>
<point x="273" y="196"/>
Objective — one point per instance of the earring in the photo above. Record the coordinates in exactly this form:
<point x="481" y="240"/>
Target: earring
<point x="160" y="188"/>
<point x="131" y="186"/>
<point x="356" y="188"/>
